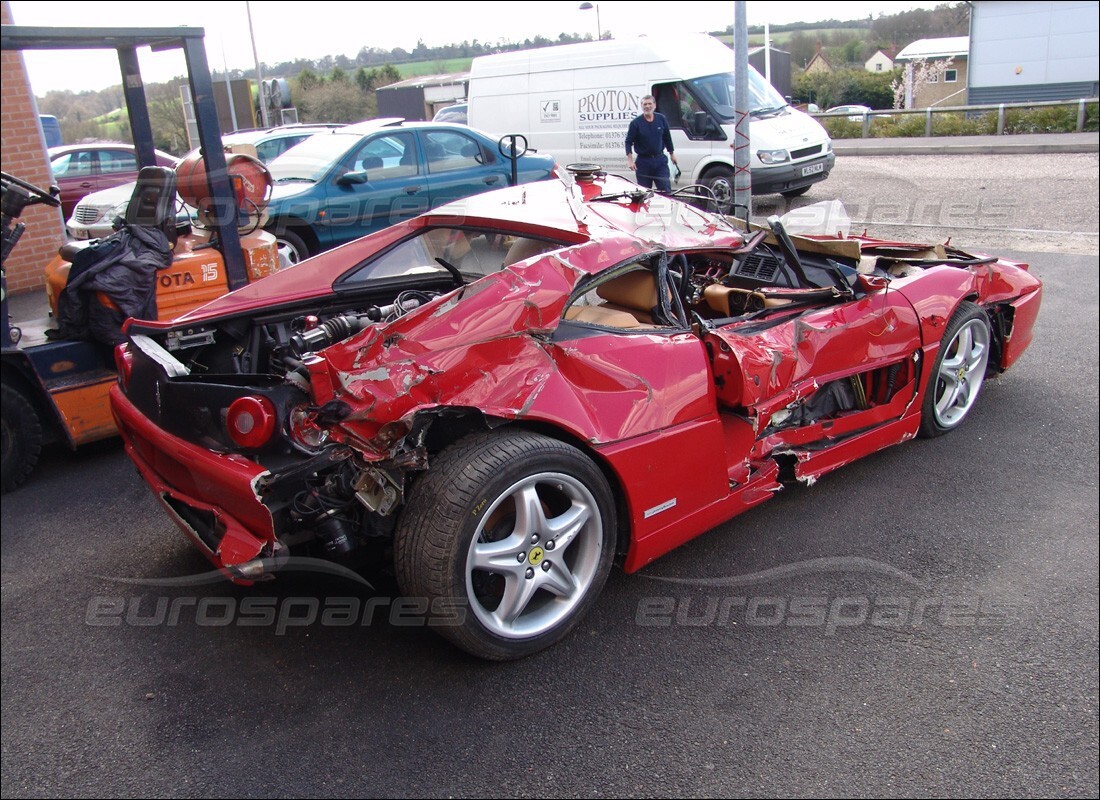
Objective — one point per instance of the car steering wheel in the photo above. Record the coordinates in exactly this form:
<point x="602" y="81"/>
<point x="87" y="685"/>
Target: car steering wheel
<point x="42" y="196"/>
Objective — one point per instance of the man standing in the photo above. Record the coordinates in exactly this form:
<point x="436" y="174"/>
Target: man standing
<point x="649" y="135"/>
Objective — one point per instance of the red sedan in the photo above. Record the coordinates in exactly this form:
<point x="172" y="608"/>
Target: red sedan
<point x="80" y="169"/>
<point x="510" y="394"/>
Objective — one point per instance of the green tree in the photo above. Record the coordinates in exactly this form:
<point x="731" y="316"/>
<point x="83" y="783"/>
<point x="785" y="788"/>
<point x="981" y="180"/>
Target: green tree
<point x="308" y="80"/>
<point x="845" y="87"/>
<point x="337" y="102"/>
<point x="166" y="117"/>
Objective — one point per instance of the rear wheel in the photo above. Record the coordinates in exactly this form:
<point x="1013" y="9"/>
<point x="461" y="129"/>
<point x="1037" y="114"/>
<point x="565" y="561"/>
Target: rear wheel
<point x="517" y="532"/>
<point x="958" y="373"/>
<point x="22" y="437"/>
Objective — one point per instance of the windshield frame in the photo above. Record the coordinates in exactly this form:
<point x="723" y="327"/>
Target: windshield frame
<point x="712" y="89"/>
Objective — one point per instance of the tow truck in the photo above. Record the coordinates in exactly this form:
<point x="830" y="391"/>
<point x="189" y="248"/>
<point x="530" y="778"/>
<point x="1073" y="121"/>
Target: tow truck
<point x="57" y="389"/>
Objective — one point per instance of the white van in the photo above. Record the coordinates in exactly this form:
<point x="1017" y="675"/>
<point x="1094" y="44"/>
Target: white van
<point x="576" y="101"/>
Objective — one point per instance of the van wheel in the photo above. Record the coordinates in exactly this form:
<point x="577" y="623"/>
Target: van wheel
<point x="22" y="438"/>
<point x="720" y="182"/>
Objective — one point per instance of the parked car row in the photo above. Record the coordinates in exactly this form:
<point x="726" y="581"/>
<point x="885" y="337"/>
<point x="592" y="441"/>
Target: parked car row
<point x="94" y="215"/>
<point x="334" y="184"/>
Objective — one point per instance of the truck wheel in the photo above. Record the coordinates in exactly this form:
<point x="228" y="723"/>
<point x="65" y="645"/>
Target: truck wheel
<point x="720" y="182"/>
<point x="513" y="534"/>
<point x="22" y="438"/>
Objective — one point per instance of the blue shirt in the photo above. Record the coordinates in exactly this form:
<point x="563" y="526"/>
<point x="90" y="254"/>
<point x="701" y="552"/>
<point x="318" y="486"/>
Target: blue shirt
<point x="648" y="138"/>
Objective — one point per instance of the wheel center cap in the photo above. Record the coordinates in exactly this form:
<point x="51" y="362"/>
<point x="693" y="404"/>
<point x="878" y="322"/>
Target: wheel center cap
<point x="535" y="556"/>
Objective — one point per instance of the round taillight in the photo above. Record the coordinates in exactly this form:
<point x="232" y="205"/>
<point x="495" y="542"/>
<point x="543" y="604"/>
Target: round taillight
<point x="251" y="421"/>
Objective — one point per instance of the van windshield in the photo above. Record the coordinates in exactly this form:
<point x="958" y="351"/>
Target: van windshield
<point x="717" y="92"/>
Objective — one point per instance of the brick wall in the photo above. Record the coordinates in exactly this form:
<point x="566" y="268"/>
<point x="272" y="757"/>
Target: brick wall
<point x="23" y="154"/>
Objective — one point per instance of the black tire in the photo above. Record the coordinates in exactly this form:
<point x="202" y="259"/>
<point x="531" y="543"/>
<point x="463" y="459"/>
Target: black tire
<point x="793" y="193"/>
<point x="719" y="180"/>
<point x="22" y="438"/>
<point x="958" y="372"/>
<point x="292" y="245"/>
<point x="464" y="509"/>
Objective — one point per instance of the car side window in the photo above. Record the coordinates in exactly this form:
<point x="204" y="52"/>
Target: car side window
<point x="117" y="161"/>
<point x="265" y="151"/>
<point x="72" y="165"/>
<point x="447" y="151"/>
<point x="679" y="105"/>
<point x="391" y="155"/>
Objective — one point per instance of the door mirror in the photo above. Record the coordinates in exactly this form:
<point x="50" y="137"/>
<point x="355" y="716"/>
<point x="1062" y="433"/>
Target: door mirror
<point x="351" y="178"/>
<point x="700" y="123"/>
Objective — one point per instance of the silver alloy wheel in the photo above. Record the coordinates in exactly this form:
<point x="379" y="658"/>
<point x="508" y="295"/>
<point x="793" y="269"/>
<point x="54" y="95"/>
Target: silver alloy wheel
<point x="961" y="373"/>
<point x="534" y="556"/>
<point x="288" y="253"/>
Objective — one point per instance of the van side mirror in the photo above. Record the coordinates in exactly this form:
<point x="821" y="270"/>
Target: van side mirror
<point x="700" y="123"/>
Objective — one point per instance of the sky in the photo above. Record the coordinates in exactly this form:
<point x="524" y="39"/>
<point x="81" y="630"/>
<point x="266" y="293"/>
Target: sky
<point x="346" y="27"/>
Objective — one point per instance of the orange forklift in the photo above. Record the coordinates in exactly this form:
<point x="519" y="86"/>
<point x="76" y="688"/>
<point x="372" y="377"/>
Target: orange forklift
<point x="55" y="384"/>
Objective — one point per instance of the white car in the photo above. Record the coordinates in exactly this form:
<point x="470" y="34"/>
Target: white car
<point x="856" y="112"/>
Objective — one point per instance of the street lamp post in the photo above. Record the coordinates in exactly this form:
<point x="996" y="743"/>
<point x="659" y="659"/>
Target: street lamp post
<point x="589" y="7"/>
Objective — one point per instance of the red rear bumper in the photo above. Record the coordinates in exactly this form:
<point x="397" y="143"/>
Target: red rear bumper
<point x="211" y="496"/>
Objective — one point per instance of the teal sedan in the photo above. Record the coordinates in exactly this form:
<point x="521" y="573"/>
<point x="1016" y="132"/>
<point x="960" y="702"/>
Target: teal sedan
<point x="345" y="183"/>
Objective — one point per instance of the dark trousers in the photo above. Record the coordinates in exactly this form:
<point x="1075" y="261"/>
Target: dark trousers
<point x="652" y="171"/>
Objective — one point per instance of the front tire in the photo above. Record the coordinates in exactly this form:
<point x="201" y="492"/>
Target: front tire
<point x="958" y="372"/>
<point x="720" y="182"/>
<point x="291" y="246"/>
<point x="516" y="531"/>
<point x="22" y="438"/>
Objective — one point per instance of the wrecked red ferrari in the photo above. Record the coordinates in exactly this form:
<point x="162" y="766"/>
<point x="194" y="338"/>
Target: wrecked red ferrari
<point x="511" y="393"/>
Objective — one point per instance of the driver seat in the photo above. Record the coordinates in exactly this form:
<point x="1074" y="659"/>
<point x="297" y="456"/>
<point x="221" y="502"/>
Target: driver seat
<point x="152" y="205"/>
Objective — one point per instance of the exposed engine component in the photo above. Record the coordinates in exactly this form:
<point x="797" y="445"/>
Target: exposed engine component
<point x="338" y="328"/>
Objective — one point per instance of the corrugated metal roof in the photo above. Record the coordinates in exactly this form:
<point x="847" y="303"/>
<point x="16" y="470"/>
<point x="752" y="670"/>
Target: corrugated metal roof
<point x="429" y="80"/>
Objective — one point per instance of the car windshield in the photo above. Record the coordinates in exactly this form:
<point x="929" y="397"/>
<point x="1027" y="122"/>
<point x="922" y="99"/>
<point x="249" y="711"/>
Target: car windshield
<point x="718" y="91"/>
<point x="310" y="160"/>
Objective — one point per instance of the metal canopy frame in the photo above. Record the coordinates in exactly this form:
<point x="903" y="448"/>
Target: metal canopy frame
<point x="126" y="41"/>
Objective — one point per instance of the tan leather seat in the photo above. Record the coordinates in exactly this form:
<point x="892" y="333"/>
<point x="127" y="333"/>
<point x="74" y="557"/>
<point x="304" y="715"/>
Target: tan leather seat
<point x="523" y="249"/>
<point x="630" y="299"/>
